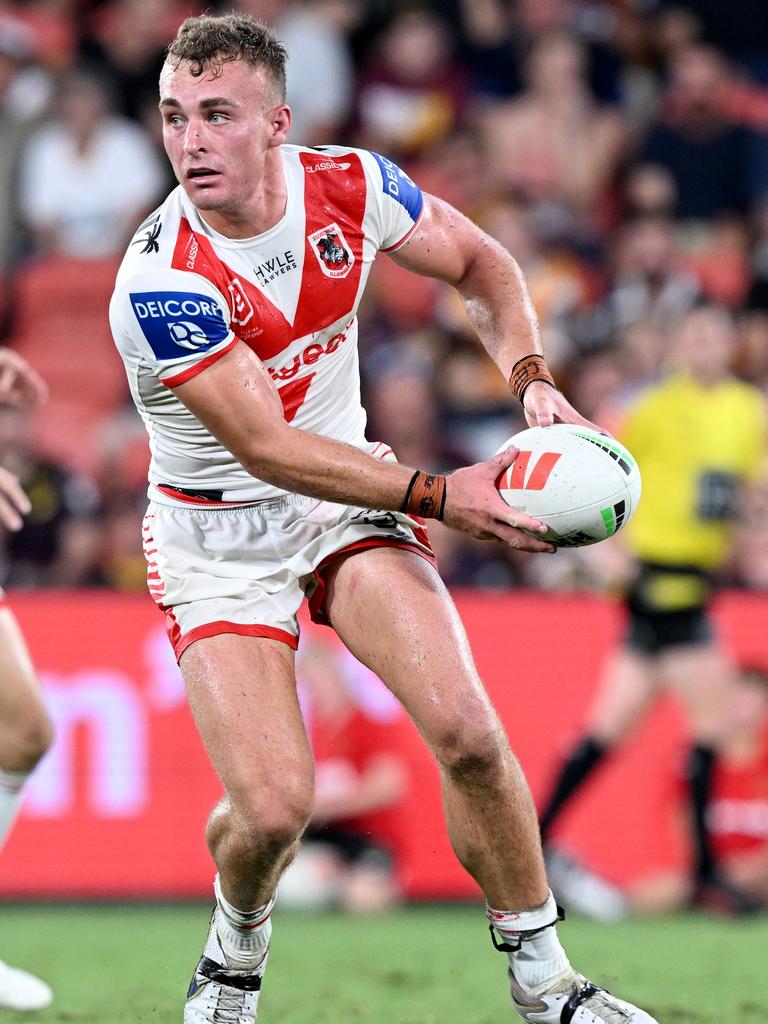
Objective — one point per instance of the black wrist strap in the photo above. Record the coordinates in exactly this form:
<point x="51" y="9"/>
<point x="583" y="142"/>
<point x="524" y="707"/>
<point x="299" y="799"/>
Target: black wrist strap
<point x="409" y="492"/>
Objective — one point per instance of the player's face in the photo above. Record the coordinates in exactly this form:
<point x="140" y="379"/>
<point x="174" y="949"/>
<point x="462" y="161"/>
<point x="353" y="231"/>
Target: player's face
<point x="705" y="345"/>
<point x="219" y="132"/>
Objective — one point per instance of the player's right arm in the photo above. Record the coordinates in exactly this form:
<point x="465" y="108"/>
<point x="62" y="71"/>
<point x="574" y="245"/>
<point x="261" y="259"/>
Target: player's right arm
<point x="237" y="403"/>
<point x="179" y="324"/>
<point x="22" y="386"/>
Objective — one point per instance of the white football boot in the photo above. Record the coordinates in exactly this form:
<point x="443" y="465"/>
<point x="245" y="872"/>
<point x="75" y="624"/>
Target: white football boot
<point x="220" y="994"/>
<point x="575" y="1001"/>
<point x="20" y="990"/>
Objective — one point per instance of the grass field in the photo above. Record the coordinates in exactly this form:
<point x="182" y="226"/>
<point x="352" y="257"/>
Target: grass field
<point x="425" y="965"/>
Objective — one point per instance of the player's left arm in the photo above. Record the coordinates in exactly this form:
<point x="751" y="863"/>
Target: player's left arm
<point x="448" y="246"/>
<point x="380" y="784"/>
<point x="19" y="383"/>
<point x="13" y="501"/>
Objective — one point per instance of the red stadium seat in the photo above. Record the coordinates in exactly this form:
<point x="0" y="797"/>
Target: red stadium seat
<point x="60" y="324"/>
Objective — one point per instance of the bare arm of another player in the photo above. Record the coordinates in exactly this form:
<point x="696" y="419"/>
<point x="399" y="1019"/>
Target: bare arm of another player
<point x="381" y="783"/>
<point x="236" y="401"/>
<point x="13" y="501"/>
<point x="448" y="246"/>
<point x="19" y="383"/>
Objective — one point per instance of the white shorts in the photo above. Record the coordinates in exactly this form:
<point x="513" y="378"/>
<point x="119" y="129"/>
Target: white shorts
<point x="247" y="569"/>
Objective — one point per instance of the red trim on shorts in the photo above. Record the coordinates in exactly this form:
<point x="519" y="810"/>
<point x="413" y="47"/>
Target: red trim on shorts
<point x="181" y="641"/>
<point x="172" y="627"/>
<point x="192" y="371"/>
<point x="316" y="602"/>
<point x="190" y="499"/>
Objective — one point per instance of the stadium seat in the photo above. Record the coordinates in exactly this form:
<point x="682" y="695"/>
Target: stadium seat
<point x="60" y="324"/>
<point x="69" y="432"/>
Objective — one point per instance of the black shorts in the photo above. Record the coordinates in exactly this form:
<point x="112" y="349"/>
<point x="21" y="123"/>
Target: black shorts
<point x="654" y="625"/>
<point x="653" y="632"/>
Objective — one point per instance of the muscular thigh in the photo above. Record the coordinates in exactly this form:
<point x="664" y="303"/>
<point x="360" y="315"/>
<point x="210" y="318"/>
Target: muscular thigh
<point x="703" y="677"/>
<point x="21" y="704"/>
<point x="393" y="612"/>
<point x="629" y="683"/>
<point x="242" y="693"/>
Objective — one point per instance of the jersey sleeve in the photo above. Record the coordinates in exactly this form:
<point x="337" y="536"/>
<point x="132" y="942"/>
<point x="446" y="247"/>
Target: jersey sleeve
<point x="176" y="321"/>
<point x="397" y="201"/>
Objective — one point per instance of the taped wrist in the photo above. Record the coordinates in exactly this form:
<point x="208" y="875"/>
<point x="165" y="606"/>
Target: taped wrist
<point x="425" y="496"/>
<point x="525" y="371"/>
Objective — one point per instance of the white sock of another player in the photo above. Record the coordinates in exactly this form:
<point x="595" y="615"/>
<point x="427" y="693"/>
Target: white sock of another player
<point x="244" y="935"/>
<point x="11" y="785"/>
<point x="537" y="959"/>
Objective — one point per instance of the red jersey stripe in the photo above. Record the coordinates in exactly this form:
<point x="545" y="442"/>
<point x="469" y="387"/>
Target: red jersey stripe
<point x="332" y="198"/>
<point x="255" y="319"/>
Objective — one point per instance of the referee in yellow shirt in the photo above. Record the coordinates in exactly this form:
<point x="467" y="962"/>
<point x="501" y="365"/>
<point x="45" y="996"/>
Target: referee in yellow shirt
<point x="699" y="437"/>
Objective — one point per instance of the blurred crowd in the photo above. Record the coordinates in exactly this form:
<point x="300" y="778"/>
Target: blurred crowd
<point x="617" y="148"/>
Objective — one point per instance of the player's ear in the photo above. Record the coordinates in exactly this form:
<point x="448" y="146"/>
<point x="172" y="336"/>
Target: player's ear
<point x="280" y="122"/>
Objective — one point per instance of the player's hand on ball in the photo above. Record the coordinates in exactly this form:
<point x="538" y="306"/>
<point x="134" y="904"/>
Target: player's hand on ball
<point x="13" y="501"/>
<point x="473" y="505"/>
<point x="543" y="406"/>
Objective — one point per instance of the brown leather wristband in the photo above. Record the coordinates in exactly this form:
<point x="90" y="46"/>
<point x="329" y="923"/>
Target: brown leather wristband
<point x="526" y="371"/>
<point x="425" y="496"/>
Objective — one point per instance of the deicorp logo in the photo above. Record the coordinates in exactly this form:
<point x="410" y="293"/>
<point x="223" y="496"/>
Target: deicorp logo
<point x="177" y="323"/>
<point x="400" y="187"/>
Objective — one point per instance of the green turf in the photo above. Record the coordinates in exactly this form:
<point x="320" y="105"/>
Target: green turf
<point x="424" y="965"/>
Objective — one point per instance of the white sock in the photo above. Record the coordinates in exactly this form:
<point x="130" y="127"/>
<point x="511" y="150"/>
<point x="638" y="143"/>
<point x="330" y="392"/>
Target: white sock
<point x="244" y="934"/>
<point x="11" y="785"/>
<point x="540" y="963"/>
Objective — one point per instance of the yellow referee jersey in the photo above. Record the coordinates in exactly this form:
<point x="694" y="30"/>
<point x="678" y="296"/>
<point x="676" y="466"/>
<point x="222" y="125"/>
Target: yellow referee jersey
<point x="697" y="448"/>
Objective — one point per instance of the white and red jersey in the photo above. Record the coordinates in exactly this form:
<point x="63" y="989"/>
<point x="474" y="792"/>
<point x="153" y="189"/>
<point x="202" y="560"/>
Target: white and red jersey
<point x="185" y="295"/>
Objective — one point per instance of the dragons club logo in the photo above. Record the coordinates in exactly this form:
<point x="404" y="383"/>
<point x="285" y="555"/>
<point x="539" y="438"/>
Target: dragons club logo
<point x="333" y="252"/>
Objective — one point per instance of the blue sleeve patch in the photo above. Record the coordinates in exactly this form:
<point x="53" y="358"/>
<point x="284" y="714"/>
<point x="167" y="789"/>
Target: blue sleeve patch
<point x="177" y="324"/>
<point x="400" y="187"/>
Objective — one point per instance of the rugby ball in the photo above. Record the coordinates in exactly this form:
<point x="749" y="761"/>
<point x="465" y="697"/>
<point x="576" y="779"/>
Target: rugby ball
<point x="583" y="484"/>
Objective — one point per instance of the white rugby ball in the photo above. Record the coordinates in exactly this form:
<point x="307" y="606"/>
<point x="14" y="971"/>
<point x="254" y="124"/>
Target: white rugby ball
<point x="583" y="484"/>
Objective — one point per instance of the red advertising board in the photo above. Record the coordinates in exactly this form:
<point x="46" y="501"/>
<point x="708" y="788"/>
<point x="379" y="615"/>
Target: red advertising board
<point x="118" y="806"/>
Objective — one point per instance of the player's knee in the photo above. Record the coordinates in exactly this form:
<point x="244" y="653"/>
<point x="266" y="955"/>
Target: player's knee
<point x="284" y="824"/>
<point x="31" y="741"/>
<point x="473" y="752"/>
<point x="275" y="820"/>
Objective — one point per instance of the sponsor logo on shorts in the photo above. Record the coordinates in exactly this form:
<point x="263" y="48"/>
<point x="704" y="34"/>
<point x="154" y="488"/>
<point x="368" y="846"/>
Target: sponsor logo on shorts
<point x="177" y="323"/>
<point x="333" y="252"/>
<point x="382" y="521"/>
